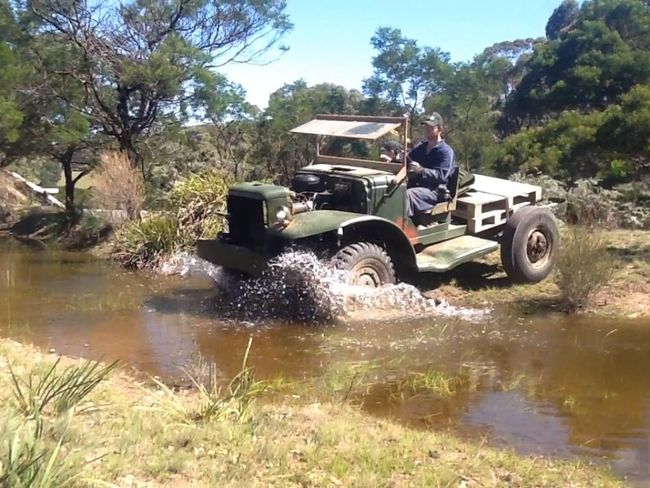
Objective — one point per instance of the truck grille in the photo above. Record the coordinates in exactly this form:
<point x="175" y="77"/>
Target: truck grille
<point x="246" y="220"/>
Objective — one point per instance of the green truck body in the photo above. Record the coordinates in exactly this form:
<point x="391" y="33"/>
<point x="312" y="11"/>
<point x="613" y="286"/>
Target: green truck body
<point x="354" y="212"/>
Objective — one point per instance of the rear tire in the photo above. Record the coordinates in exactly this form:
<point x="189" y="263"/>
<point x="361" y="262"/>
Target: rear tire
<point x="367" y="264"/>
<point x="529" y="245"/>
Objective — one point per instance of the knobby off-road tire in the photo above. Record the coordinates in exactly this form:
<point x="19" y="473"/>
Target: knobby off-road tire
<point x="529" y="245"/>
<point x="367" y="265"/>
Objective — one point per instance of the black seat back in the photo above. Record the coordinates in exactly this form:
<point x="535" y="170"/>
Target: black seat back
<point x="452" y="182"/>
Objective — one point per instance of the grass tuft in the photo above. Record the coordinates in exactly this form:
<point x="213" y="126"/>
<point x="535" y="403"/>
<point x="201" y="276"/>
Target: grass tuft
<point x="143" y="243"/>
<point x="215" y="401"/>
<point x="584" y="266"/>
<point x="436" y="383"/>
<point x="63" y="390"/>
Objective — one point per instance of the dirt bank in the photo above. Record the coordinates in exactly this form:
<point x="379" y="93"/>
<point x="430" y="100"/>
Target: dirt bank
<point x="129" y="433"/>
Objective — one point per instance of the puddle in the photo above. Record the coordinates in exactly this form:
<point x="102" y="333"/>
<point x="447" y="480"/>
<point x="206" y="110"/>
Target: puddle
<point x="547" y="385"/>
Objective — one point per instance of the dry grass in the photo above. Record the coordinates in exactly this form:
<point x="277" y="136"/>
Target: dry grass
<point x="626" y="294"/>
<point x="9" y="195"/>
<point x="289" y="442"/>
<point x="118" y="185"/>
<point x="584" y="266"/>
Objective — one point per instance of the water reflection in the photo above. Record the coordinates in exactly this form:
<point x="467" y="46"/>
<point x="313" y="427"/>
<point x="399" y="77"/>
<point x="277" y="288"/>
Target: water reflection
<point x="547" y="385"/>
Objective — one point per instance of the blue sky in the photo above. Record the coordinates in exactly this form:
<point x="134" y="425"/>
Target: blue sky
<point x="330" y="41"/>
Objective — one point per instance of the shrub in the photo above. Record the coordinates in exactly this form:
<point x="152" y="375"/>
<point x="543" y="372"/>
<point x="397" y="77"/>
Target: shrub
<point x="86" y="230"/>
<point x="584" y="266"/>
<point x="552" y="189"/>
<point x="198" y="204"/>
<point x="44" y="401"/>
<point x="590" y="205"/>
<point x="141" y="244"/>
<point x="118" y="185"/>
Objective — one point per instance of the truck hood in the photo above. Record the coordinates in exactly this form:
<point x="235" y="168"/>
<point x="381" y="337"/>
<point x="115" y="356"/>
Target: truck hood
<point x="320" y="221"/>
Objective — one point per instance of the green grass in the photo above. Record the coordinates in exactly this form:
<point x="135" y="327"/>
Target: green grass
<point x="214" y="401"/>
<point x="437" y="383"/>
<point x="281" y="441"/>
<point x="62" y="390"/>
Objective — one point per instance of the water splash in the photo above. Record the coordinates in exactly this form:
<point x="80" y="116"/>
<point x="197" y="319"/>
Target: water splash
<point x="298" y="286"/>
<point x="186" y="264"/>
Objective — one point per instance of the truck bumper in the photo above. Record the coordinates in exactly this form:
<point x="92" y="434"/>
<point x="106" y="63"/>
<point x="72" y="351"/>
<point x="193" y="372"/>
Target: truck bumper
<point x="231" y="256"/>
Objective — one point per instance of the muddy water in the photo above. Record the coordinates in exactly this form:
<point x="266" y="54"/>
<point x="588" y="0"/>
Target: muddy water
<point x="545" y="384"/>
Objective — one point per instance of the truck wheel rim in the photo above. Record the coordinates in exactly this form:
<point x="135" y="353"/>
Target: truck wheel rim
<point x="538" y="248"/>
<point x="366" y="276"/>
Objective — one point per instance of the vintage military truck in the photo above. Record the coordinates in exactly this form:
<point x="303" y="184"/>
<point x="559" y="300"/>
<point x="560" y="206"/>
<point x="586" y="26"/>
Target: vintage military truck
<point x="352" y="211"/>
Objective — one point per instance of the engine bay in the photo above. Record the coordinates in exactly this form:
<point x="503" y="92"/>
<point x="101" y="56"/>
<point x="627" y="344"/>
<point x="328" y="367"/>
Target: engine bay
<point x="311" y="191"/>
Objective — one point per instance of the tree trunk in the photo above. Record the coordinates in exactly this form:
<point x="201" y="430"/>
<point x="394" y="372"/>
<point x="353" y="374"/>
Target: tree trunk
<point x="66" y="161"/>
<point x="128" y="147"/>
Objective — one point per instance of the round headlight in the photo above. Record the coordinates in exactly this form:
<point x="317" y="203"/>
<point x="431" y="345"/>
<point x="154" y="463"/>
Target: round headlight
<point x="282" y="215"/>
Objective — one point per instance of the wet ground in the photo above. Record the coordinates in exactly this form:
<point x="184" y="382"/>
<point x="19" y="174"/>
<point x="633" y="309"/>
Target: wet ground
<point x="546" y="384"/>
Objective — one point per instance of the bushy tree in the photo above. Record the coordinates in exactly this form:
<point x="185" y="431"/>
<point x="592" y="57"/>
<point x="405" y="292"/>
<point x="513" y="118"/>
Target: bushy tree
<point x="404" y="73"/>
<point x="138" y="60"/>
<point x="610" y="145"/>
<point x="590" y="64"/>
<point x="278" y="153"/>
<point x="11" y="72"/>
<point x="562" y="18"/>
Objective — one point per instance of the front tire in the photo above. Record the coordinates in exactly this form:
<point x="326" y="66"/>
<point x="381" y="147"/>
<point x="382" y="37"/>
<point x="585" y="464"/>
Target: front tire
<point x="529" y="245"/>
<point x="367" y="264"/>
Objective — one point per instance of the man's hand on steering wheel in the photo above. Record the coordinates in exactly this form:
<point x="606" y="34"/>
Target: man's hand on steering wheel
<point x="415" y="168"/>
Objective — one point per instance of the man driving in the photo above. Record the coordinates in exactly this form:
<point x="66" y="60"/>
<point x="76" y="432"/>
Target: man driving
<point x="430" y="165"/>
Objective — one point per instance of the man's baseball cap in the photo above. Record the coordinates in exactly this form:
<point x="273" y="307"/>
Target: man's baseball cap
<point x="434" y="120"/>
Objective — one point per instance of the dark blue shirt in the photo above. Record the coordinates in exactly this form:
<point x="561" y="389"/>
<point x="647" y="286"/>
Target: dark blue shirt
<point x="437" y="164"/>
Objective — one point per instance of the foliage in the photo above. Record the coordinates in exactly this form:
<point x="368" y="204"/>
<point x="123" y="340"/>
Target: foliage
<point x="405" y="74"/>
<point x="28" y="462"/>
<point x="574" y="106"/>
<point x="200" y="203"/>
<point x="589" y="205"/>
<point x="596" y="59"/>
<point x="562" y="18"/>
<point x="52" y="131"/>
<point x="43" y="399"/>
<point x="468" y="107"/>
<point x="62" y="390"/>
<point x="584" y="266"/>
<point x="117" y="185"/>
<point x="563" y="148"/>
<point x="137" y="61"/>
<point x="141" y="244"/>
<point x="197" y="208"/>
<point x="278" y="154"/>
<point x="609" y="145"/>
<point x="12" y="72"/>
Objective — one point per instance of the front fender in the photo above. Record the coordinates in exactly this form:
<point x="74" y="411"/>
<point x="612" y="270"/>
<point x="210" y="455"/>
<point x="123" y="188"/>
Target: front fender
<point x="314" y="223"/>
<point x="396" y="242"/>
<point x="351" y="227"/>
